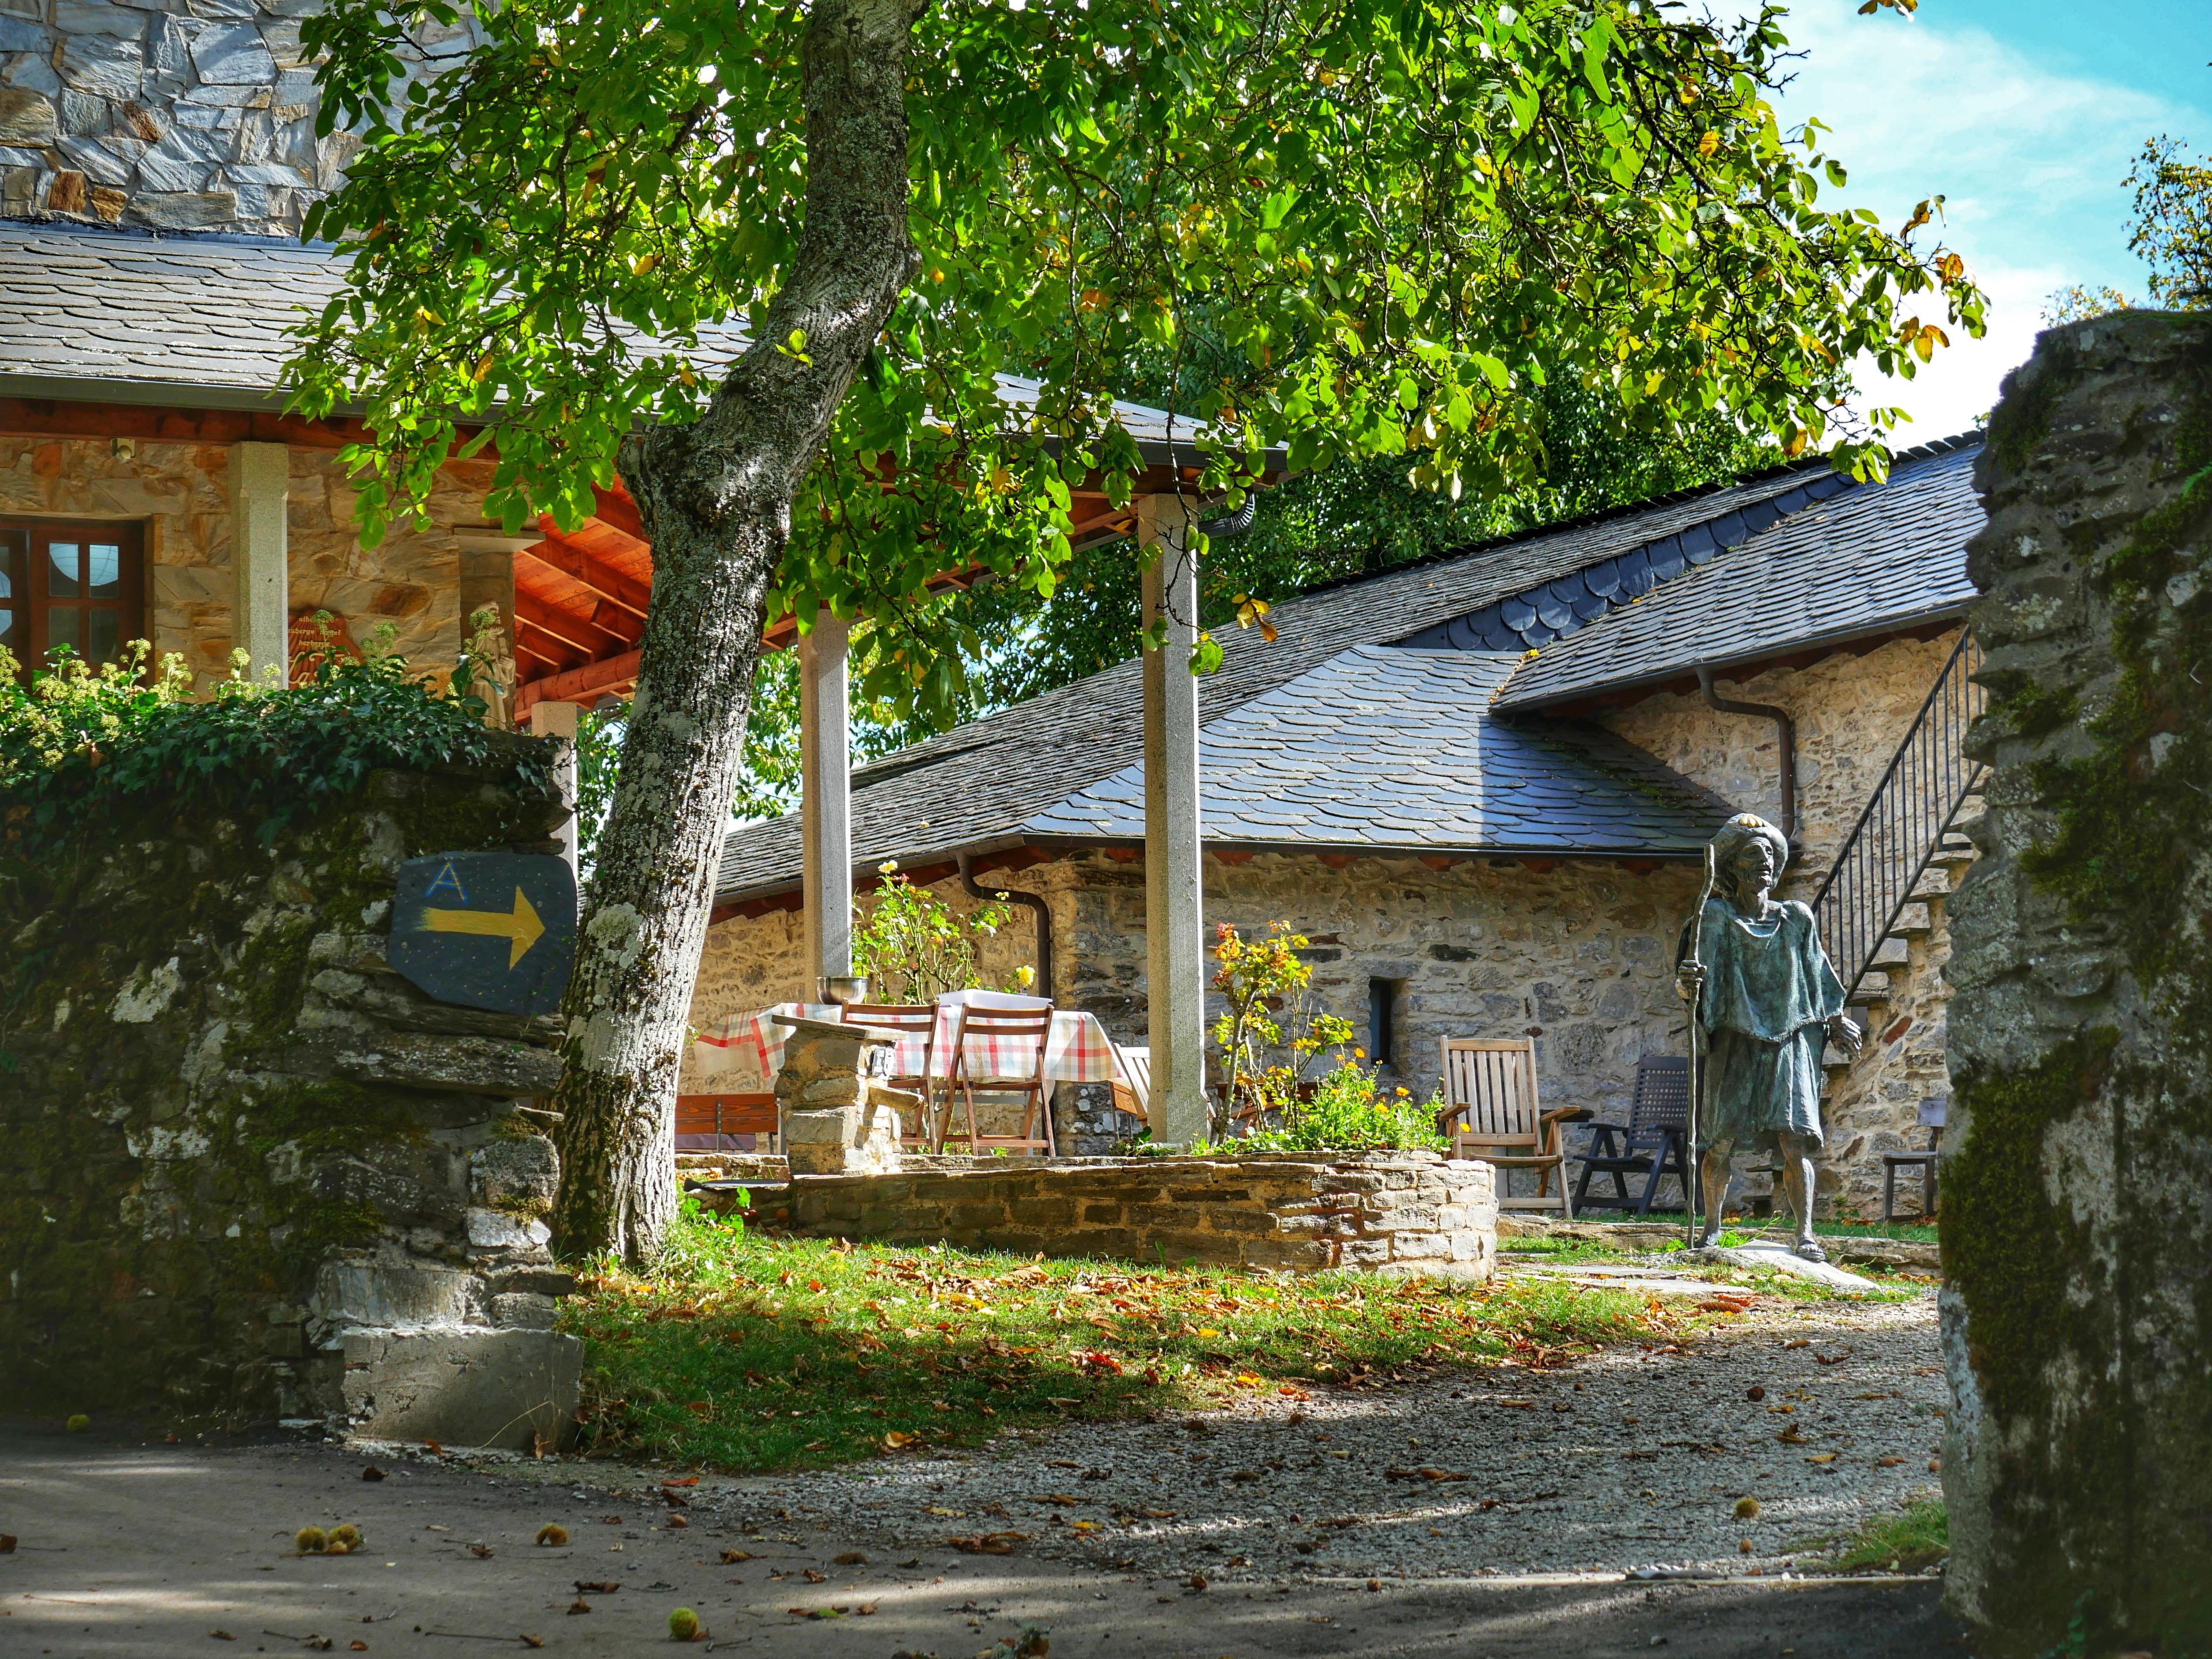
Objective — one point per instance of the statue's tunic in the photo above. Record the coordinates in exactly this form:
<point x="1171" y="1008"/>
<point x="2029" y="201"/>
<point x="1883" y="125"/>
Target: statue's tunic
<point x="1770" y="992"/>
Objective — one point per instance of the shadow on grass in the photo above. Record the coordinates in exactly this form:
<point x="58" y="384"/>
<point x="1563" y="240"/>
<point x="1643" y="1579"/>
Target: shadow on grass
<point x="753" y="1355"/>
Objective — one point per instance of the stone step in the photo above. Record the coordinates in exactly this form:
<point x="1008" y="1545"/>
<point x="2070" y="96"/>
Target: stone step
<point x="1935" y="883"/>
<point x="1970" y="810"/>
<point x="1912" y="921"/>
<point x="1892" y="952"/>
<point x="1875" y="986"/>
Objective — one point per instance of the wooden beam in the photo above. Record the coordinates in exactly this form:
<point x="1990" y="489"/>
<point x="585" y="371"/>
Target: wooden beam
<point x="54" y="417"/>
<point x="551" y="646"/>
<point x="575" y="685"/>
<point x="619" y="511"/>
<point x="565" y="625"/>
<point x="603" y="579"/>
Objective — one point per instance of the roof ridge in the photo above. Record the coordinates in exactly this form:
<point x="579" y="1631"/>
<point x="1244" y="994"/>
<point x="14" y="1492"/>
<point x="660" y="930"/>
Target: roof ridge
<point x="1626" y="509"/>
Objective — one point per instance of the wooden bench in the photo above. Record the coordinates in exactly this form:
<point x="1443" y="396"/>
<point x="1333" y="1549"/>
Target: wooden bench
<point x="710" y="1123"/>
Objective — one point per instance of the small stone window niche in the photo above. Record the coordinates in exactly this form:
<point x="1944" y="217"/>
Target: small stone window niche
<point x="75" y="586"/>
<point x="1386" y="1002"/>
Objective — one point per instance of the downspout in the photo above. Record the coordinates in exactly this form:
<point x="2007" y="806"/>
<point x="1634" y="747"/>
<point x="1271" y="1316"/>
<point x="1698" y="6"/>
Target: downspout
<point x="1785" y="731"/>
<point x="1029" y="901"/>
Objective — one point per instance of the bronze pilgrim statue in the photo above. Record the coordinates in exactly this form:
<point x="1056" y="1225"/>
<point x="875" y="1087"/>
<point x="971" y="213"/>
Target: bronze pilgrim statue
<point x="1766" y="999"/>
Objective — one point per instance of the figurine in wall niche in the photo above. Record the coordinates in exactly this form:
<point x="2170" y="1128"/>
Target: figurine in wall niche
<point x="1765" y="1002"/>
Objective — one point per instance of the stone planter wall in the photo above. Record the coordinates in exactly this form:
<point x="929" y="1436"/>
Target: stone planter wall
<point x="1390" y="1212"/>
<point x="247" y="1172"/>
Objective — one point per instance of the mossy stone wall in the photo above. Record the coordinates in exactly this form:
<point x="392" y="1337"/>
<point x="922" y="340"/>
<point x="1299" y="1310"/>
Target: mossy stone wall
<point x="241" y="1159"/>
<point x="2077" y="1182"/>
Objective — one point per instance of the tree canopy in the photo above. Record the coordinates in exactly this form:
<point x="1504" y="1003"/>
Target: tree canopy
<point x="1398" y="225"/>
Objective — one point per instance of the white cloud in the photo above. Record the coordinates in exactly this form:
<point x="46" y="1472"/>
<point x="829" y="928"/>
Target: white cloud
<point x="2031" y="161"/>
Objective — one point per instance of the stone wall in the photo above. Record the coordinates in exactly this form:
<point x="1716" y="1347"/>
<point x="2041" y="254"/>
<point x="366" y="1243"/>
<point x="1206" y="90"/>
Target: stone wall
<point x="1852" y="711"/>
<point x="247" y="1172"/>
<point x="1579" y="951"/>
<point x="169" y="115"/>
<point x="2077" y="1240"/>
<point x="179" y="493"/>
<point x="1386" y="1212"/>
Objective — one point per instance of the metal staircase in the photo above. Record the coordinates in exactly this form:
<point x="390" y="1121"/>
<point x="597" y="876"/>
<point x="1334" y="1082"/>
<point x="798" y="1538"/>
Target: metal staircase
<point x="1907" y="848"/>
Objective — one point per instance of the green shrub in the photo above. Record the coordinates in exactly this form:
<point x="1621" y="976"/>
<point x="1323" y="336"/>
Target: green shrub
<point x="78" y="739"/>
<point x="1348" y="1110"/>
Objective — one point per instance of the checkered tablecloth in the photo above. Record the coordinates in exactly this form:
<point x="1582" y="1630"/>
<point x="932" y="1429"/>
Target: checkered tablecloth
<point x="1076" y="1050"/>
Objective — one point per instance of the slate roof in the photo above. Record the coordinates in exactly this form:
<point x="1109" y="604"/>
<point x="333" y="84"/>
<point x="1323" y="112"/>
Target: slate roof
<point x="976" y="786"/>
<point x="1876" y="559"/>
<point x="200" y="321"/>
<point x="1383" y="748"/>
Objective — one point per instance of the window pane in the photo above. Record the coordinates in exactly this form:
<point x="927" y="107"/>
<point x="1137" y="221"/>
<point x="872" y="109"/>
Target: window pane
<point x="65" y="628"/>
<point x="107" y="570"/>
<point x="8" y="636"/>
<point x="103" y="635"/>
<point x="60" y="572"/>
<point x="14" y="544"/>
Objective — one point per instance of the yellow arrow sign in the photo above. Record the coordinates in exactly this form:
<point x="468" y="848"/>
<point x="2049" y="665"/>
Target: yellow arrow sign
<point x="521" y="929"/>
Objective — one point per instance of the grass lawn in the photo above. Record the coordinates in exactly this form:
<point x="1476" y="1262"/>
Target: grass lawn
<point x="1916" y="1539"/>
<point x="752" y="1354"/>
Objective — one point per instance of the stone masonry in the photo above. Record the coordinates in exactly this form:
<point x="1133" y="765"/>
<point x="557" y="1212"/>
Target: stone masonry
<point x="413" y="589"/>
<point x="2077" y="1241"/>
<point x="1413" y="1214"/>
<point x="1579" y="952"/>
<point x="246" y="1170"/>
<point x="170" y="115"/>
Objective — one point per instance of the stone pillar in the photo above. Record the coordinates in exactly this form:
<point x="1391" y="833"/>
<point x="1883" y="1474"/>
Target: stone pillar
<point x="558" y="719"/>
<point x="1175" y="917"/>
<point x="2077" y="1241"/>
<point x="826" y="803"/>
<point x="260" y="546"/>
<point x="837" y="1121"/>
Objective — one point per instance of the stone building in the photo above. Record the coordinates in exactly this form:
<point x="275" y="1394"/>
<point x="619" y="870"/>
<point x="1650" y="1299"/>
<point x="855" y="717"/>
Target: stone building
<point x="1480" y="784"/>
<point x="1476" y="844"/>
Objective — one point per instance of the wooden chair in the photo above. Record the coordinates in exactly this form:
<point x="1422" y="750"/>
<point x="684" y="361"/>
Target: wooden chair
<point x="713" y="1117"/>
<point x="1933" y="1111"/>
<point x="1492" y="1115"/>
<point x="1654" y="1143"/>
<point x="1011" y="1032"/>
<point x="1132" y="1088"/>
<point x="928" y="1130"/>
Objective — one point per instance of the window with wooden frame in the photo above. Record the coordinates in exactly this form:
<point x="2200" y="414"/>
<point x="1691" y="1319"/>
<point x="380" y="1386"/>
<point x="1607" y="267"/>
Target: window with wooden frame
<point x="79" y="585"/>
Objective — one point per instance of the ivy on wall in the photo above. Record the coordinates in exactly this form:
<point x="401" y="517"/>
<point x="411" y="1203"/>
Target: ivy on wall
<point x="80" y="738"/>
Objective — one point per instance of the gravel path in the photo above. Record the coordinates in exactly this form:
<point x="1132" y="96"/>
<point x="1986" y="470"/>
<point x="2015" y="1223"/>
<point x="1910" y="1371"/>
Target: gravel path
<point x="1632" y="1459"/>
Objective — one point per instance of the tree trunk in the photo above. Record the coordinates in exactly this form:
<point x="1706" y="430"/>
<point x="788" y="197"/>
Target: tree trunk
<point x="716" y="499"/>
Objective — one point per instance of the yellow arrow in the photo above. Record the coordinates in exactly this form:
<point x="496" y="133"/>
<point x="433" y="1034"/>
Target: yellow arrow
<point x="521" y="930"/>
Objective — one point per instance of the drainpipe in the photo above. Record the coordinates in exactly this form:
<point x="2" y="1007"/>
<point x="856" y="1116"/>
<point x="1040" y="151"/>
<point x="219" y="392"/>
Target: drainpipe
<point x="1029" y="901"/>
<point x="1785" y="732"/>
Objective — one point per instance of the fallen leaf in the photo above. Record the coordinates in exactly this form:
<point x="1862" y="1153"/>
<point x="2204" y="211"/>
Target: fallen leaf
<point x="813" y="1576"/>
<point x="850" y="1558"/>
<point x="1064" y="1499"/>
<point x="1159" y="1515"/>
<point x="939" y="1509"/>
<point x="597" y="1586"/>
<point x="898" y="1441"/>
<point x="1830" y="1359"/>
<point x="372" y="1472"/>
<point x="434" y="1449"/>
<point x="677" y="1521"/>
<point x="1799" y="1342"/>
<point x="730" y="1557"/>
<point x="482" y="1552"/>
<point x="1888" y="1462"/>
<point x="356" y="1646"/>
<point x="988" y="1543"/>
<point x="7" y="1543"/>
<point x="1755" y="1392"/>
<point x="579" y="1605"/>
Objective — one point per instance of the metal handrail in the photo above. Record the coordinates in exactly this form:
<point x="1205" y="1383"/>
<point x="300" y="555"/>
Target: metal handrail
<point x="1896" y="838"/>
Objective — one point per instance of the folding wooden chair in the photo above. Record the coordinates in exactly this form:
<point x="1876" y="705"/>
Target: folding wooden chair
<point x="1132" y="1088"/>
<point x="903" y="1017"/>
<point x="1491" y="1114"/>
<point x="1655" y="1142"/>
<point x="1009" y="1035"/>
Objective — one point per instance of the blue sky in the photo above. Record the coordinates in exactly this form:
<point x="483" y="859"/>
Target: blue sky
<point x="2026" y="114"/>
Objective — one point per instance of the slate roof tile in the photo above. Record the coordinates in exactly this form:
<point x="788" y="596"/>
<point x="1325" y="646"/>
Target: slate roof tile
<point x="1868" y="560"/>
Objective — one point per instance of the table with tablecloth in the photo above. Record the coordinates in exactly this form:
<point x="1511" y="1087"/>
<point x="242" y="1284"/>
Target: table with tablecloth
<point x="749" y="1045"/>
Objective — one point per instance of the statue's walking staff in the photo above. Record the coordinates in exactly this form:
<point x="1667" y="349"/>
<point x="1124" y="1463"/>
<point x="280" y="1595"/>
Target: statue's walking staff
<point x="1690" y="1168"/>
